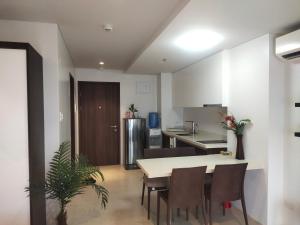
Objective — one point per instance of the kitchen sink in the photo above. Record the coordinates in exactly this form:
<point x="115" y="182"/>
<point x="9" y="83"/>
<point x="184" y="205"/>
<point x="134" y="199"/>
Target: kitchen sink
<point x="213" y="142"/>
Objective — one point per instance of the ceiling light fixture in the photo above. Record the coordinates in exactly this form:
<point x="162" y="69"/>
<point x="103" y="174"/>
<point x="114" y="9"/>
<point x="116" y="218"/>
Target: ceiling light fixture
<point x="108" y="27"/>
<point x="198" y="40"/>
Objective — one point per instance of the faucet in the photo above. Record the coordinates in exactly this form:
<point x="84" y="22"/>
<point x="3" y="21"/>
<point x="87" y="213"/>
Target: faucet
<point x="193" y="126"/>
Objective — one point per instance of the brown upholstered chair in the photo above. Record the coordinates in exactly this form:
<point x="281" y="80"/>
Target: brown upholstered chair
<point x="186" y="190"/>
<point x="227" y="185"/>
<point x="154" y="184"/>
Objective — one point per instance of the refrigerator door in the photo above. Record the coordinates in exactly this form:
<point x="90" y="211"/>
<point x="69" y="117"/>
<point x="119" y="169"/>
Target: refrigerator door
<point x="134" y="141"/>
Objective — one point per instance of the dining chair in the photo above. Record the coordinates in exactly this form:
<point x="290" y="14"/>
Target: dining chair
<point x="227" y="185"/>
<point x="186" y="190"/>
<point x="154" y="184"/>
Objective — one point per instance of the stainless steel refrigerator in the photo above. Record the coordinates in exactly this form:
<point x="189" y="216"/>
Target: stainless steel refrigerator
<point x="135" y="133"/>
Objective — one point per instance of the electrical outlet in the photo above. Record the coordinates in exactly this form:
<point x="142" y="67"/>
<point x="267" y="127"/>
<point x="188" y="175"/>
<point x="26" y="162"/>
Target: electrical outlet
<point x="61" y="116"/>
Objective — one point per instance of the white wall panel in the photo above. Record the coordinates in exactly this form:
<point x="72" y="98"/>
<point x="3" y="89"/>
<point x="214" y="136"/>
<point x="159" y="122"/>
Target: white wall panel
<point x="14" y="166"/>
<point x="249" y="98"/>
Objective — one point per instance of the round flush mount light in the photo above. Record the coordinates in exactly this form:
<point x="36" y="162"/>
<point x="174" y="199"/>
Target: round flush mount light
<point x="108" y="27"/>
<point x="198" y="40"/>
<point x="101" y="65"/>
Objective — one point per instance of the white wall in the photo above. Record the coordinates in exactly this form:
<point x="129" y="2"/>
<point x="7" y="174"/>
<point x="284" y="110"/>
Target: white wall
<point x="256" y="90"/>
<point x="65" y="67"/>
<point x="249" y="98"/>
<point x="292" y="147"/>
<point x="14" y="165"/>
<point x="170" y="116"/>
<point x="159" y="94"/>
<point x="43" y="37"/>
<point x="277" y="130"/>
<point x="145" y="102"/>
<point x="57" y="65"/>
<point x="253" y="86"/>
<point x="46" y="39"/>
<point x="208" y="118"/>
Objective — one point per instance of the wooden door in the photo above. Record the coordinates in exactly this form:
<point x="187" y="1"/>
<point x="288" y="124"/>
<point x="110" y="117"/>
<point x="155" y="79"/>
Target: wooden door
<point x="99" y="122"/>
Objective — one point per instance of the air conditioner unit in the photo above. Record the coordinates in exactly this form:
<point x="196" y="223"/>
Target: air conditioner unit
<point x="288" y="47"/>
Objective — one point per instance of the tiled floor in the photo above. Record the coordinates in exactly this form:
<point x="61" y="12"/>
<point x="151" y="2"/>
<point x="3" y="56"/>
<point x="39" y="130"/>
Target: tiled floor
<point x="124" y="205"/>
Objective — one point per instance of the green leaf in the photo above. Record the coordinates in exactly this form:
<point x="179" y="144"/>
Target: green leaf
<point x="68" y="178"/>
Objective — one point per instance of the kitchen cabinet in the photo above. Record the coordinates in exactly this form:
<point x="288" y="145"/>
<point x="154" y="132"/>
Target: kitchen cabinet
<point x="200" y="84"/>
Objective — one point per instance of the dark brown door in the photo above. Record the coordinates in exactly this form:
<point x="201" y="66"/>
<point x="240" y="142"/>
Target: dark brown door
<point x="99" y="122"/>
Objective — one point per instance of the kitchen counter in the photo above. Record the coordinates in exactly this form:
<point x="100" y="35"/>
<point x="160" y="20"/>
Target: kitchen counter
<point x="195" y="140"/>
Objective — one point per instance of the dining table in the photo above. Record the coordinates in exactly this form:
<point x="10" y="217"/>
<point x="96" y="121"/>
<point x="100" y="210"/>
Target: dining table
<point x="162" y="167"/>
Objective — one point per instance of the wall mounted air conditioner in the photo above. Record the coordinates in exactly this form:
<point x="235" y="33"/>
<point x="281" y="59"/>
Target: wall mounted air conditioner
<point x="288" y="47"/>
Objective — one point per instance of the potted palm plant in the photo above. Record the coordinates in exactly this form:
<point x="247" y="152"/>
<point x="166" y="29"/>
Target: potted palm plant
<point x="68" y="178"/>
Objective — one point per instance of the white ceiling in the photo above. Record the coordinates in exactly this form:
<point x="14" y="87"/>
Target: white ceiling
<point x="144" y="30"/>
<point x="238" y="21"/>
<point x="135" y="22"/>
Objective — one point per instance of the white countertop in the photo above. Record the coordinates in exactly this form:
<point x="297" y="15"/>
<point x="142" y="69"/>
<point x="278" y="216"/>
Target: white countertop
<point x="162" y="167"/>
<point x="200" y="136"/>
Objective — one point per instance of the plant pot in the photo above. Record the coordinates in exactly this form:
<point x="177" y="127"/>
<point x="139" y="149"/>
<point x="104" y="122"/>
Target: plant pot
<point x="62" y="218"/>
<point x="131" y="115"/>
<point x="239" y="147"/>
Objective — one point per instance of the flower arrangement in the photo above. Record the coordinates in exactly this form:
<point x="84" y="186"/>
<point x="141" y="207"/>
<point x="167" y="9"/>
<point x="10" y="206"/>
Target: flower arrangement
<point x="230" y="123"/>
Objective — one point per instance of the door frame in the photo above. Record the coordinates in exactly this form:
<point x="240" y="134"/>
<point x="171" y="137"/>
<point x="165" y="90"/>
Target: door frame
<point x="36" y="132"/>
<point x="119" y="112"/>
<point x="72" y="115"/>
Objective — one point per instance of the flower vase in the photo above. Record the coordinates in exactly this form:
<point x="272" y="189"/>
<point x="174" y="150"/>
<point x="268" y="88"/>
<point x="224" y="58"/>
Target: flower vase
<point x="239" y="147"/>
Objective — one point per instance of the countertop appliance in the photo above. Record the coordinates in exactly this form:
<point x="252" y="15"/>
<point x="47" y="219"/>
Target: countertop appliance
<point x="135" y="133"/>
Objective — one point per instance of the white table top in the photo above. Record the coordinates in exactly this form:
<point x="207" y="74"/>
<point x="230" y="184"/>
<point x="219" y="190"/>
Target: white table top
<point x="162" y="167"/>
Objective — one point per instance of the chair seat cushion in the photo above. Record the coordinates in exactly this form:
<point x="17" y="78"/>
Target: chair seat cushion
<point x="156" y="182"/>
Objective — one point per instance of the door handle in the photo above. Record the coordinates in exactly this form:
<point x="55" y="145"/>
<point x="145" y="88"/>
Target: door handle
<point x="114" y="126"/>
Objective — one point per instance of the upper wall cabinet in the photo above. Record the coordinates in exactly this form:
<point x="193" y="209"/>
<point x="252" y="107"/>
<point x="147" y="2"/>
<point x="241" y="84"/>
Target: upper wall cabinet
<point x="200" y="83"/>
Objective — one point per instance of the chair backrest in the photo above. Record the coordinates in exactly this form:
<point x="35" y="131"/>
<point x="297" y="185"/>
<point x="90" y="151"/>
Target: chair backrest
<point x="186" y="188"/>
<point x="228" y="182"/>
<point x="168" y="152"/>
